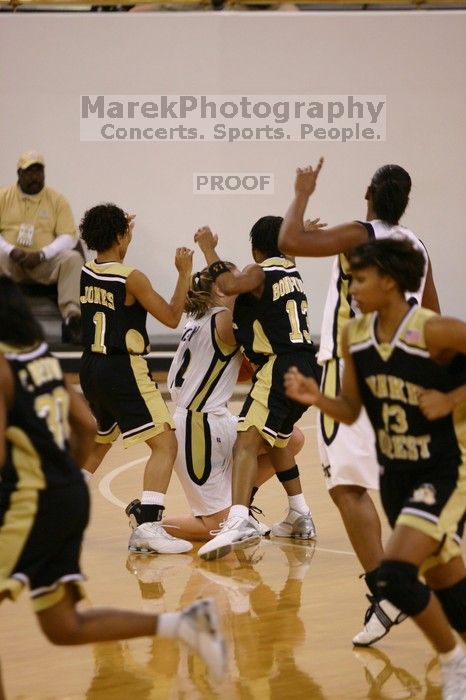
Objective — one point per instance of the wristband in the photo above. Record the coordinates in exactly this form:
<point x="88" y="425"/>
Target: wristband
<point x="41" y="255"/>
<point x="218" y="268"/>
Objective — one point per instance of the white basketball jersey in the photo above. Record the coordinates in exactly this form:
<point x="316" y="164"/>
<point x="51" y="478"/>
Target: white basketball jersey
<point x="338" y="307"/>
<point x="204" y="371"/>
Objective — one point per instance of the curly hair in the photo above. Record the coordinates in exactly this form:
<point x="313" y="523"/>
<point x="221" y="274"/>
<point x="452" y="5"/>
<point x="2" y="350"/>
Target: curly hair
<point x="101" y="225"/>
<point x="199" y="298"/>
<point x="394" y="256"/>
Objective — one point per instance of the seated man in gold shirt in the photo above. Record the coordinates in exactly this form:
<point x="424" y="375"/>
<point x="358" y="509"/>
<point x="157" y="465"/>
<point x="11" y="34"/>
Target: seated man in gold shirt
<point x="37" y="238"/>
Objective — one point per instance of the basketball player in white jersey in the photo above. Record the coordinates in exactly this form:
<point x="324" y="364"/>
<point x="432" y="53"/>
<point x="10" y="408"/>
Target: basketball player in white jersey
<point x="348" y="452"/>
<point x="201" y="380"/>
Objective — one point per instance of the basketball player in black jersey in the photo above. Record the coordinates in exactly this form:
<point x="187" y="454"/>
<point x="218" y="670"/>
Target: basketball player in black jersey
<point x="44" y="500"/>
<point x="115" y="377"/>
<point x="270" y="322"/>
<point x="407" y="366"/>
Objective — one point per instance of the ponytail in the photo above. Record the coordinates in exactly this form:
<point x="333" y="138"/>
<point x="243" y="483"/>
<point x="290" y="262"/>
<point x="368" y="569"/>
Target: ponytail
<point x="390" y="189"/>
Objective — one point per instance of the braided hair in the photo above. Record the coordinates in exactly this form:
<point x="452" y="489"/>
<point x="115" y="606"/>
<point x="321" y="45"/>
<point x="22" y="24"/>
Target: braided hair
<point x="390" y="188"/>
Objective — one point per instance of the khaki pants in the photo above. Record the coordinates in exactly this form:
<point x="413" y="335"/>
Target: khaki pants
<point x="64" y="270"/>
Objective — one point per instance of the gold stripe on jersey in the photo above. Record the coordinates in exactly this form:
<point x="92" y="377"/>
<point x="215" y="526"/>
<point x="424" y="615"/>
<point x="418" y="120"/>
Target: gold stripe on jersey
<point x="208" y="383"/>
<point x="258" y="411"/>
<point x="459" y="424"/>
<point x="155" y="404"/>
<point x="46" y="600"/>
<point x="215" y="370"/>
<point x="260" y="343"/>
<point x="224" y="348"/>
<point x="112" y="269"/>
<point x="23" y="452"/>
<point x="261" y="388"/>
<point x="109" y="436"/>
<point x="359" y="330"/>
<point x="444" y="529"/>
<point x="14" y="532"/>
<point x="6" y="349"/>
<point x="198" y="447"/>
<point x="330" y="386"/>
<point x="278" y="262"/>
<point x="453" y="510"/>
<point x="343" y="311"/>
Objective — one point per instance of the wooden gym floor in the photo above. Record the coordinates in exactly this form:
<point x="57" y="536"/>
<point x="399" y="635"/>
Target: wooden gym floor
<point x="288" y="612"/>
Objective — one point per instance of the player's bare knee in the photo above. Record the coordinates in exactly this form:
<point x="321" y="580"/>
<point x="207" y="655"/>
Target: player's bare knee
<point x="347" y="496"/>
<point x="296" y="442"/>
<point x="398" y="582"/>
<point x="61" y="632"/>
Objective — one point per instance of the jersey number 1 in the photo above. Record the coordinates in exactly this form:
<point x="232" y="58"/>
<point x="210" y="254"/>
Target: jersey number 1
<point x="99" y="336"/>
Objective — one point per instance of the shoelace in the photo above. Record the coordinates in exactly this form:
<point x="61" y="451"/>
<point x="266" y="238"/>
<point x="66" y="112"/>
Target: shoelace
<point x="253" y="511"/>
<point x="379" y="613"/>
<point x="160" y="526"/>
<point x="224" y="525"/>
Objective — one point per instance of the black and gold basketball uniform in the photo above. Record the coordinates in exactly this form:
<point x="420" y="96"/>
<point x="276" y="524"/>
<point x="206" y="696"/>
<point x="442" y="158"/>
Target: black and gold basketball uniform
<point x="423" y="463"/>
<point x="274" y="334"/>
<point x="44" y="501"/>
<point x="114" y="374"/>
<point x="201" y="380"/>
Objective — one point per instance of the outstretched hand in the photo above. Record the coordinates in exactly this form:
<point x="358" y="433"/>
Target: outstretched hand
<point x="184" y="260"/>
<point x="313" y="225"/>
<point x="306" y="178"/>
<point x="302" y="389"/>
<point x="205" y="239"/>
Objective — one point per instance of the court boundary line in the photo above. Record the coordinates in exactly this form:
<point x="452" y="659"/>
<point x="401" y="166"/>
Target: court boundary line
<point x="106" y="491"/>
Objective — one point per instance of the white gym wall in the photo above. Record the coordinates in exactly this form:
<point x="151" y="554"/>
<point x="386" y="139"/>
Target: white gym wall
<point x="414" y="58"/>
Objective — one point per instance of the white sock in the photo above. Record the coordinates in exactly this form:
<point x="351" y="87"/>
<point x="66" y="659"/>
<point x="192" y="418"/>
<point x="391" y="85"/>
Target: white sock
<point x="453" y="656"/>
<point x="87" y="475"/>
<point x="152" y="498"/>
<point x="298" y="503"/>
<point x="167" y="624"/>
<point x="239" y="511"/>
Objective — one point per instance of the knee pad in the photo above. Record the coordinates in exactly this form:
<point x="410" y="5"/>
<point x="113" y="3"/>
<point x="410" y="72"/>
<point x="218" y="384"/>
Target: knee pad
<point x="288" y="474"/>
<point x="453" y="602"/>
<point x="398" y="582"/>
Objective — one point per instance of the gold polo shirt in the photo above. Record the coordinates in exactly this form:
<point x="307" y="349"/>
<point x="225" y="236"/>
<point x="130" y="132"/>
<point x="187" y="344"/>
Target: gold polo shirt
<point x="48" y="211"/>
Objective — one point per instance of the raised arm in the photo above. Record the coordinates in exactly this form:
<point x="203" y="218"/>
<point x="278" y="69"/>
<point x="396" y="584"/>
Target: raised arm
<point x="169" y="313"/>
<point x="296" y="238"/>
<point x="251" y="279"/>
